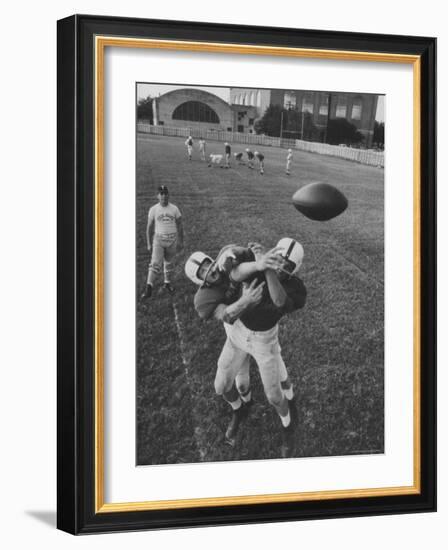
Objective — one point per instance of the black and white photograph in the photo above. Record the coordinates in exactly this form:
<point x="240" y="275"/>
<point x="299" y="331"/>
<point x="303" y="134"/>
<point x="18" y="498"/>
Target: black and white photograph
<point x="259" y="273"/>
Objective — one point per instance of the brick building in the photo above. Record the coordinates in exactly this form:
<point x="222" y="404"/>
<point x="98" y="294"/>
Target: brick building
<point x="358" y="109"/>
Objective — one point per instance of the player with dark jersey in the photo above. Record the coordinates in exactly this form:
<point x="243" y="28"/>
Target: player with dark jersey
<point x="250" y="158"/>
<point x="220" y="296"/>
<point x="239" y="157"/>
<point x="189" y="145"/>
<point x="255" y="333"/>
<point x="260" y="158"/>
<point x="228" y="152"/>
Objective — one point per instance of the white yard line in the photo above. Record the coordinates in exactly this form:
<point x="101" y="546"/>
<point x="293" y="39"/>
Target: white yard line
<point x="183" y="354"/>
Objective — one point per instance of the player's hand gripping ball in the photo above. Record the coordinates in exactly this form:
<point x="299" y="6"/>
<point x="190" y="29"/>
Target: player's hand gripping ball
<point x="319" y="201"/>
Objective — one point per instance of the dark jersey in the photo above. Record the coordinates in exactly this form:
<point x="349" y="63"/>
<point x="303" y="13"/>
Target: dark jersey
<point x="250" y="155"/>
<point x="228" y="149"/>
<point x="208" y="298"/>
<point x="260" y="157"/>
<point x="266" y="314"/>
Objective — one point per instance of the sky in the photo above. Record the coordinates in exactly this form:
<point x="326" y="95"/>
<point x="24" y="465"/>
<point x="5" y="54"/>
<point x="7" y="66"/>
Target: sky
<point x="144" y="90"/>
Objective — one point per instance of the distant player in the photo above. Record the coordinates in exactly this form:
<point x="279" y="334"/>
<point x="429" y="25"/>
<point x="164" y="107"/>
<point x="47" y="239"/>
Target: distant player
<point x="239" y="157"/>
<point x="189" y="144"/>
<point x="288" y="162"/>
<point x="215" y="159"/>
<point x="164" y="238"/>
<point x="228" y="152"/>
<point x="260" y="158"/>
<point x="202" y="148"/>
<point x="250" y="158"/>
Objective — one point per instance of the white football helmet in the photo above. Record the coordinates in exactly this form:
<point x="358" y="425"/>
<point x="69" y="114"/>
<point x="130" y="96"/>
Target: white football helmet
<point x="292" y="251"/>
<point x="193" y="264"/>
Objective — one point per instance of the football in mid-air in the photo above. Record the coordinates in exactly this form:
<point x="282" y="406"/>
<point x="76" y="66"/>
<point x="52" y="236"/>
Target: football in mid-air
<point x="319" y="201"/>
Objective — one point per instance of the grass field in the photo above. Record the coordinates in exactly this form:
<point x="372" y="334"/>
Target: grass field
<point x="333" y="348"/>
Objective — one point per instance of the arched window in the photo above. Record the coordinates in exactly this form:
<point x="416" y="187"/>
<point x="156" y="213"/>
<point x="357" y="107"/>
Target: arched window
<point x="258" y="98"/>
<point x="195" y="111"/>
<point x="252" y="98"/>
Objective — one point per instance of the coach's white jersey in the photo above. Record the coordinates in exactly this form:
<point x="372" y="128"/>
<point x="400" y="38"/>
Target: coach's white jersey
<point x="164" y="218"/>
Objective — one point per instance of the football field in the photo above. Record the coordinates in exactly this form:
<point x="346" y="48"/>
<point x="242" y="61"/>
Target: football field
<point x="333" y="348"/>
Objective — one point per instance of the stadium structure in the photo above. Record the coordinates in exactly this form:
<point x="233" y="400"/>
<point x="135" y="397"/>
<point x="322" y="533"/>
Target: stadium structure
<point x="192" y="107"/>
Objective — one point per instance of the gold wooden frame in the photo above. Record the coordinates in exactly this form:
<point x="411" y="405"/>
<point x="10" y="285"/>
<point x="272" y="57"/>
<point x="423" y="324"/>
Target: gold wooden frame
<point x="101" y="42"/>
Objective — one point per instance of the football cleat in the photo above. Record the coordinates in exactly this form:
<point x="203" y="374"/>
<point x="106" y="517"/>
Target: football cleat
<point x="147" y="293"/>
<point x="288" y="445"/>
<point x="238" y="416"/>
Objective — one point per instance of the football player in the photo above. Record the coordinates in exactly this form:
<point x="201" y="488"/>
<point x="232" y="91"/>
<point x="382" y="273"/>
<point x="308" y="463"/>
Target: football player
<point x="189" y="144"/>
<point x="219" y="297"/>
<point x="254" y="332"/>
<point x="202" y="148"/>
<point x="250" y="158"/>
<point x="239" y="157"/>
<point x="260" y="158"/>
<point x="228" y="152"/>
<point x="288" y="162"/>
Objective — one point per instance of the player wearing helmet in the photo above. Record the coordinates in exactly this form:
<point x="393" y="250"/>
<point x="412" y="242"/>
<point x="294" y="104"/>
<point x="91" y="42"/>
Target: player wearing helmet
<point x="228" y="152"/>
<point x="288" y="162"/>
<point x="239" y="157"/>
<point x="189" y="144"/>
<point x="164" y="238"/>
<point x="219" y="296"/>
<point x="260" y="158"/>
<point x="250" y="158"/>
<point x="202" y="148"/>
<point x="255" y="333"/>
<point x="252" y="330"/>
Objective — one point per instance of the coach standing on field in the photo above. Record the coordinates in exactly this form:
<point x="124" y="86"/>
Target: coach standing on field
<point x="164" y="238"/>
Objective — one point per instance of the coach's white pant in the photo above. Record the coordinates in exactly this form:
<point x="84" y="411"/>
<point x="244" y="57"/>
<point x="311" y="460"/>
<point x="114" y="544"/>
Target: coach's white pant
<point x="164" y="249"/>
<point x="234" y="362"/>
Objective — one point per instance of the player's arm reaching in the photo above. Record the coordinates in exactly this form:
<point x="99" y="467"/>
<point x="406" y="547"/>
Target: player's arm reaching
<point x="276" y="291"/>
<point x="251" y="295"/>
<point x="261" y="261"/>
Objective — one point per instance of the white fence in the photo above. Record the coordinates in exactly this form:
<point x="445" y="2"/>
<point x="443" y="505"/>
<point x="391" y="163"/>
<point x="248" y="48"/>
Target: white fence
<point x="363" y="156"/>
